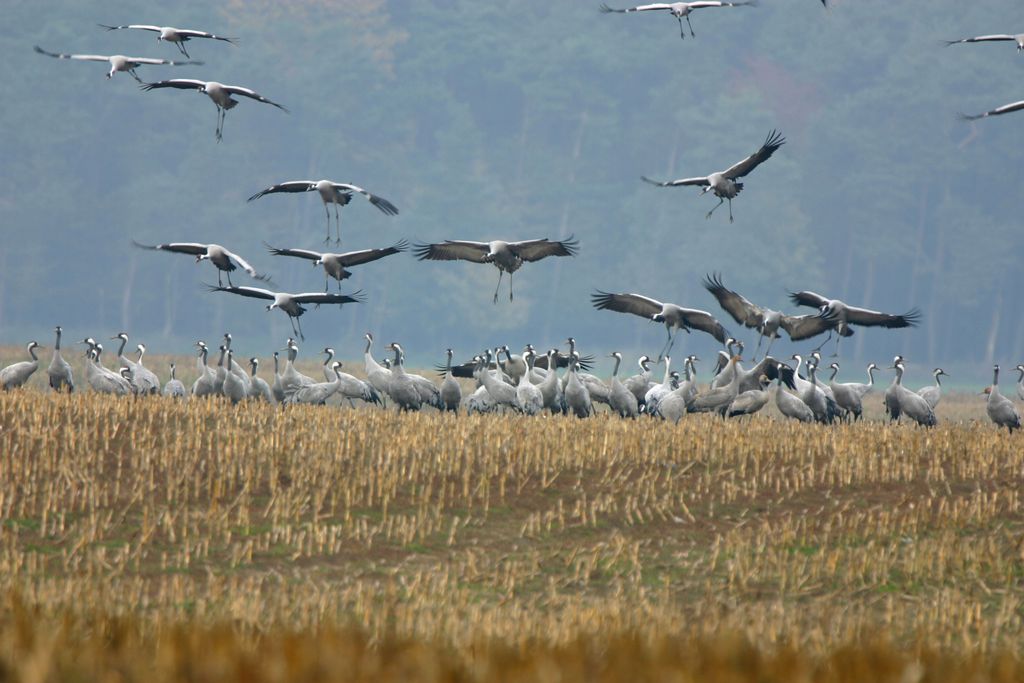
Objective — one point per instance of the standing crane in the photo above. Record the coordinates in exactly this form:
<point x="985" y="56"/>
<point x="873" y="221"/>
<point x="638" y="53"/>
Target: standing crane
<point x="723" y="183"/>
<point x="507" y="257"/>
<point x="999" y="408"/>
<point x="15" y="375"/>
<point x="60" y="370"/>
<point x="680" y="10"/>
<point x="219" y="93"/>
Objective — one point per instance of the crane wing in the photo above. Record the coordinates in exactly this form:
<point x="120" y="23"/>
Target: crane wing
<point x="64" y="55"/>
<point x="806" y="298"/>
<point x="253" y="292"/>
<point x="453" y="250"/>
<point x="637" y="304"/>
<point x="639" y="8"/>
<point x="384" y="205"/>
<point x="771" y="143"/>
<point x="325" y="298"/>
<point x="1005" y="109"/>
<point x="193" y="248"/>
<point x="535" y="250"/>
<point x="741" y="310"/>
<point x="143" y="27"/>
<point x="191" y="33"/>
<point x="180" y="83"/>
<point x="705" y="322"/>
<point x="677" y="183"/>
<point x="355" y="258"/>
<point x="290" y="186"/>
<point x="246" y="266"/>
<point x="868" y="318"/>
<point x="298" y="253"/>
<point x="982" y="39"/>
<point x="252" y="94"/>
<point x="169" y="62"/>
<point x="806" y="326"/>
<point x="718" y="3"/>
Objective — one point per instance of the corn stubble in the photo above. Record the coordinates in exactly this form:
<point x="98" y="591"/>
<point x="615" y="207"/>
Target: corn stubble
<point x="165" y="540"/>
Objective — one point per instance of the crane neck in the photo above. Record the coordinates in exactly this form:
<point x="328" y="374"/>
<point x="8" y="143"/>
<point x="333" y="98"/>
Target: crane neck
<point x="120" y="349"/>
<point x="32" y="352"/>
<point x="56" y="347"/>
<point x="832" y="378"/>
<point x="871" y="376"/>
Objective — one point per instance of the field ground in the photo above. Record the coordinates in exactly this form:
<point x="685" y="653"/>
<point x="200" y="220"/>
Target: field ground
<point x="462" y="543"/>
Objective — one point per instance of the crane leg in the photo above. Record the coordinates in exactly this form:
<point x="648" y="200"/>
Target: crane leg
<point x="760" y="338"/>
<point x="220" y="283"/>
<point x="327" y="212"/>
<point x="818" y="347"/>
<point x="181" y="48"/>
<point x="690" y="25"/>
<point x="839" y="338"/>
<point x="771" y="340"/>
<point x="720" y="202"/>
<point x="230" y="283"/>
<point x="730" y="210"/>
<point x="510" y="286"/>
<point x="298" y="322"/>
<point x="135" y="75"/>
<point x="500" y="273"/>
<point x="220" y="124"/>
<point x="682" y="33"/>
<point x="337" y="224"/>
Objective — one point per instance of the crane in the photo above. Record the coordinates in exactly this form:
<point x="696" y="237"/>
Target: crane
<point x="116" y="62"/>
<point x="291" y="304"/>
<point x="840" y="316"/>
<point x="680" y="10"/>
<point x="169" y="34"/>
<point x="507" y="257"/>
<point x="331" y="192"/>
<point x="723" y="183"/>
<point x="674" y="317"/>
<point x="335" y="265"/>
<point x="219" y="93"/>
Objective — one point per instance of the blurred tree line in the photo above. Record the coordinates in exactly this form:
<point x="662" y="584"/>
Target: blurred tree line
<point x="494" y="120"/>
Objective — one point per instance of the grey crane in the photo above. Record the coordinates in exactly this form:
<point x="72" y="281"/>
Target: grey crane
<point x="550" y="387"/>
<point x="850" y="395"/>
<point x="292" y="379"/>
<point x="892" y="404"/>
<point x="659" y="391"/>
<point x="221" y="373"/>
<point x="401" y="388"/>
<point x="101" y="379"/>
<point x="116" y="62"/>
<point x="680" y="10"/>
<point x="204" y="384"/>
<point x="750" y="401"/>
<point x="377" y="375"/>
<point x="998" y="111"/>
<point x="1017" y="38"/>
<point x="811" y="394"/>
<point x="17" y="374"/>
<point x="723" y="183"/>
<point x="277" y="388"/>
<point x="501" y="392"/>
<point x="621" y="399"/>
<point x="933" y="393"/>
<point x="765" y="320"/>
<point x="791" y="406"/>
<point x="331" y="192"/>
<point x="999" y="408"/>
<point x="169" y="34"/>
<point x="234" y="367"/>
<point x="351" y="387"/>
<point x="291" y="304"/>
<point x="507" y="257"/>
<point x="596" y="389"/>
<point x="335" y="265"/>
<point x="673" y="405"/>
<point x="577" y="397"/>
<point x="258" y="387"/>
<point x="219" y="93"/>
<point x="841" y="316"/>
<point x="640" y="383"/>
<point x="451" y="391"/>
<point x="1020" y="381"/>
<point x="143" y="381"/>
<point x="174" y="388"/>
<point x="224" y="260"/>
<point x="234" y="387"/>
<point x="60" y="370"/>
<point x="717" y="398"/>
<point x="912" y="405"/>
<point x="529" y="398"/>
<point x="674" y="317"/>
<point x="318" y="392"/>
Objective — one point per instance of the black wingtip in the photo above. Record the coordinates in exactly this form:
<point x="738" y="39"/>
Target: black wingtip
<point x="656" y="183"/>
<point x="967" y="117"/>
<point x="140" y="245"/>
<point x="421" y="251"/>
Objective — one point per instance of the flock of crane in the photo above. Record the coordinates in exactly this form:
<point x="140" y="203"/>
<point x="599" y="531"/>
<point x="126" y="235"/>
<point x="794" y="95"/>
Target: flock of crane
<point x="529" y="383"/>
